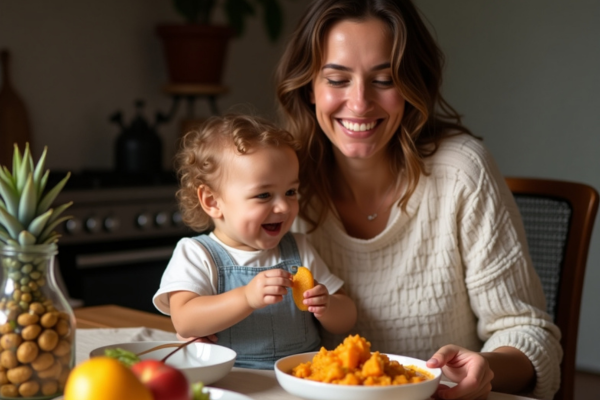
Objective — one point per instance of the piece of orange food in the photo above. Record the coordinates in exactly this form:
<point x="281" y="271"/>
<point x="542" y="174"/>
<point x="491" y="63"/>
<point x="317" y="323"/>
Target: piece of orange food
<point x="301" y="282"/>
<point x="352" y="363"/>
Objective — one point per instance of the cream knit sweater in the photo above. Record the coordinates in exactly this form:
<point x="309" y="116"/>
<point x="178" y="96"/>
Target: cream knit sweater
<point x="453" y="269"/>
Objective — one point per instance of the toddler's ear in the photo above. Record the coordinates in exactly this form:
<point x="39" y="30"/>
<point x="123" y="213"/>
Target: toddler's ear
<point x="208" y="202"/>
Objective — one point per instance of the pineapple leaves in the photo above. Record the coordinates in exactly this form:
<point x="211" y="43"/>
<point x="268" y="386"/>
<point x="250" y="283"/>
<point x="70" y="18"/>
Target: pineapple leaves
<point x="10" y="223"/>
<point x="28" y="201"/>
<point x="24" y="169"/>
<point x="25" y="214"/>
<point x="10" y="197"/>
<point x="48" y="230"/>
<point x="51" y="195"/>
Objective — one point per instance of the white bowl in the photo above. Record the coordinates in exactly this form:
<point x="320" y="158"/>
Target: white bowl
<point x="200" y="362"/>
<point x="311" y="390"/>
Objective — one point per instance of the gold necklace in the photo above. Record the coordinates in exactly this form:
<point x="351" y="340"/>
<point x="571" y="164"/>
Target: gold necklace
<point x="371" y="217"/>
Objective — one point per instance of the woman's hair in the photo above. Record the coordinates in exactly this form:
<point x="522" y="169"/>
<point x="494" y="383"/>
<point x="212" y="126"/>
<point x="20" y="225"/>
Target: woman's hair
<point x="203" y="153"/>
<point x="416" y="63"/>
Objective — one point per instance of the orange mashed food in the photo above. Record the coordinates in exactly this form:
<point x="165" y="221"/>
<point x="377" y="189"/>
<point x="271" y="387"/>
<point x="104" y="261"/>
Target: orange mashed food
<point x="352" y="363"/>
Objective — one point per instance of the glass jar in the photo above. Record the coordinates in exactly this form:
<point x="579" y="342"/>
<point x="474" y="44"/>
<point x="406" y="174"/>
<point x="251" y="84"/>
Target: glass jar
<point x="37" y="325"/>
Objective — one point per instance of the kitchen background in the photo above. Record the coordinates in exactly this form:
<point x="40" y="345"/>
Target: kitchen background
<point x="526" y="76"/>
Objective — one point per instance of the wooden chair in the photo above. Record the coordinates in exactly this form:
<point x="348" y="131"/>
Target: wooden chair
<point x="558" y="218"/>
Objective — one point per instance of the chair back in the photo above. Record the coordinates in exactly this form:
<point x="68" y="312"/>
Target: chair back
<point x="559" y="218"/>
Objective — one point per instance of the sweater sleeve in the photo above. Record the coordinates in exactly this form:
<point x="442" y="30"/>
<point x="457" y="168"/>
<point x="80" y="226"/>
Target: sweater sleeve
<point x="505" y="291"/>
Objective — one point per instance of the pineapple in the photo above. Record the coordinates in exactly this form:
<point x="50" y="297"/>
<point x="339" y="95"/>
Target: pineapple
<point x="35" y="319"/>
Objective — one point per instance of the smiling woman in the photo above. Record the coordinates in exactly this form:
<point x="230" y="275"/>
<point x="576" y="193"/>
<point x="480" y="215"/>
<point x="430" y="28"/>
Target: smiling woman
<point x="445" y="260"/>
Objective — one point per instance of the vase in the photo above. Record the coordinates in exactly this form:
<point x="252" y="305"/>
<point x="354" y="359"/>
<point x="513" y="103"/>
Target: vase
<point x="195" y="54"/>
<point x="37" y="325"/>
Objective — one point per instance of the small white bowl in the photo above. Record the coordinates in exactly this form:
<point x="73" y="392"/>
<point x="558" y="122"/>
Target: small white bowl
<point x="311" y="390"/>
<point x="200" y="362"/>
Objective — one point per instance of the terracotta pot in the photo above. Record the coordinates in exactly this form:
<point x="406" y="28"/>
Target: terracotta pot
<point x="195" y="53"/>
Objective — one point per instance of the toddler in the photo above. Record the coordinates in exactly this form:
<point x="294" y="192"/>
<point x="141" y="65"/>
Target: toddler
<point x="239" y="186"/>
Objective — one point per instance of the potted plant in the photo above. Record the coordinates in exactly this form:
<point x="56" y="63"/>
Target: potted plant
<point x="195" y="51"/>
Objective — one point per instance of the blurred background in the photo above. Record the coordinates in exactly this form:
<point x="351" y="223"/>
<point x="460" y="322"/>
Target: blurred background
<point x="525" y="75"/>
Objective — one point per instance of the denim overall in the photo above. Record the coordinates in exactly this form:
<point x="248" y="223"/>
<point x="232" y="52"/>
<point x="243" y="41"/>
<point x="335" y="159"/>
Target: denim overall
<point x="274" y="331"/>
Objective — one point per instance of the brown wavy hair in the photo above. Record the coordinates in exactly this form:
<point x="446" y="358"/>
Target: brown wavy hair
<point x="416" y="63"/>
<point x="202" y="155"/>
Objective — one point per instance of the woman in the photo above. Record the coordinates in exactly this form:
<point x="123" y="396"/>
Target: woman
<point x="407" y="207"/>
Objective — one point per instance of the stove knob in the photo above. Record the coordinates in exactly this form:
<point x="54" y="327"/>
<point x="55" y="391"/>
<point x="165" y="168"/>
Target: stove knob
<point x="73" y="226"/>
<point x="177" y="219"/>
<point x="111" y="224"/>
<point x="93" y="225"/>
<point x="143" y="220"/>
<point x="161" y="218"/>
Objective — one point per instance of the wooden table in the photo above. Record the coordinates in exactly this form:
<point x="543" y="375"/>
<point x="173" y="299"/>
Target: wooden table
<point x="257" y="384"/>
<point x="112" y="316"/>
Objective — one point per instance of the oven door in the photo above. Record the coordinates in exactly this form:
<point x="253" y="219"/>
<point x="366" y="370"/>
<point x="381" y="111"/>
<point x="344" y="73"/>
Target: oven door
<point x="126" y="273"/>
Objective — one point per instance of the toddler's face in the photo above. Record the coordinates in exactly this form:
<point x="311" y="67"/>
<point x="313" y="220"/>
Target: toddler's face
<point x="258" y="198"/>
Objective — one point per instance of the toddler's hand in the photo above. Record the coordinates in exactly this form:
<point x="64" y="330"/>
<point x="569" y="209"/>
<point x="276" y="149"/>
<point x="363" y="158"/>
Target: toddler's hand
<point x="317" y="299"/>
<point x="268" y="287"/>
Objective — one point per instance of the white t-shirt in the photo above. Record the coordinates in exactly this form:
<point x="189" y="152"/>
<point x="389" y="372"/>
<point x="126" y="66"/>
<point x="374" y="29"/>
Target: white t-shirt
<point x="192" y="269"/>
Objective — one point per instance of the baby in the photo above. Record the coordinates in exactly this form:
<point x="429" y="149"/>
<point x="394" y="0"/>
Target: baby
<point x="239" y="186"/>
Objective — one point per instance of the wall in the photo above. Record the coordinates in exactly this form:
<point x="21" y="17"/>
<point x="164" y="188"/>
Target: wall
<point x="75" y="63"/>
<point x="526" y="77"/>
<point x="524" y="74"/>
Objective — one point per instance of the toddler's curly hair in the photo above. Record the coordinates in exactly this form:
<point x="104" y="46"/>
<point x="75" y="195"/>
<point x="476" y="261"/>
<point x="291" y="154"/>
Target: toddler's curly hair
<point x="200" y="158"/>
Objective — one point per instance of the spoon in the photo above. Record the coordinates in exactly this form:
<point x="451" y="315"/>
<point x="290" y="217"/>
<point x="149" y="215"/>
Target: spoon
<point x="163" y="346"/>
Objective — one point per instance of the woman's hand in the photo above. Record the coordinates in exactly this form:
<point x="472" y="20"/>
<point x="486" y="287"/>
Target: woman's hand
<point x="469" y="369"/>
<point x="268" y="287"/>
<point x="317" y="299"/>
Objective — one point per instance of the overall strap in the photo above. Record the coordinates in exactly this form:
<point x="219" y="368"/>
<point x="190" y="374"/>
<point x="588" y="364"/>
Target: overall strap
<point x="289" y="250"/>
<point x="217" y="252"/>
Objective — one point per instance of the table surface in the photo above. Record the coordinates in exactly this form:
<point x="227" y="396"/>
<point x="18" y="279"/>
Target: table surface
<point x="257" y="384"/>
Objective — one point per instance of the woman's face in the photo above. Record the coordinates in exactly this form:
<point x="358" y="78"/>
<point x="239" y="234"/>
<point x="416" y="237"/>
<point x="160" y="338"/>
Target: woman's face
<point x="356" y="102"/>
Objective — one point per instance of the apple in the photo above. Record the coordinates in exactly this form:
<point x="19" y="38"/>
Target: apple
<point x="164" y="381"/>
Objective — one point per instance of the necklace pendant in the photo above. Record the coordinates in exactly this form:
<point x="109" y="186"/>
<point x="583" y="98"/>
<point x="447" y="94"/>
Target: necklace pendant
<point x="372" y="217"/>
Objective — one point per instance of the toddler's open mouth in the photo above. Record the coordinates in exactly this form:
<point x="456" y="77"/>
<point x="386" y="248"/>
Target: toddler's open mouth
<point x="272" y="228"/>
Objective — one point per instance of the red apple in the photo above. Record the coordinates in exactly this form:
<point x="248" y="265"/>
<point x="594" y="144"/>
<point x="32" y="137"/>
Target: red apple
<point x="164" y="381"/>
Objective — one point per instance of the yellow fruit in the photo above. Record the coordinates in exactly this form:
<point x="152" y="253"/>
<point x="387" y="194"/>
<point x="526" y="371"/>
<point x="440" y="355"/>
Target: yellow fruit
<point x="302" y="281"/>
<point x="104" y="378"/>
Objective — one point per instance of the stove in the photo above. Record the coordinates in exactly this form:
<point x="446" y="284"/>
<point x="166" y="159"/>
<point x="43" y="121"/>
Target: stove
<point x="122" y="234"/>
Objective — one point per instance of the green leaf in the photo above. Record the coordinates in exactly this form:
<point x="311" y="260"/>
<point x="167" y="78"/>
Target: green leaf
<point x="47" y="232"/>
<point x="7" y="177"/>
<point x="59" y="210"/>
<point x="10" y="197"/>
<point x="4" y="236"/>
<point x="51" y="195"/>
<point x="42" y="184"/>
<point x="39" y="168"/>
<point x="28" y="201"/>
<point x="195" y="11"/>
<point x="24" y="169"/>
<point x="26" y="238"/>
<point x="11" y="224"/>
<point x="125" y="357"/>
<point x="237" y="11"/>
<point x="272" y="18"/>
<point x="39" y="223"/>
<point x="16" y="162"/>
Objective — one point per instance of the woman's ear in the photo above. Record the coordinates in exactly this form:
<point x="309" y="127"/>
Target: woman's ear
<point x="208" y="202"/>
